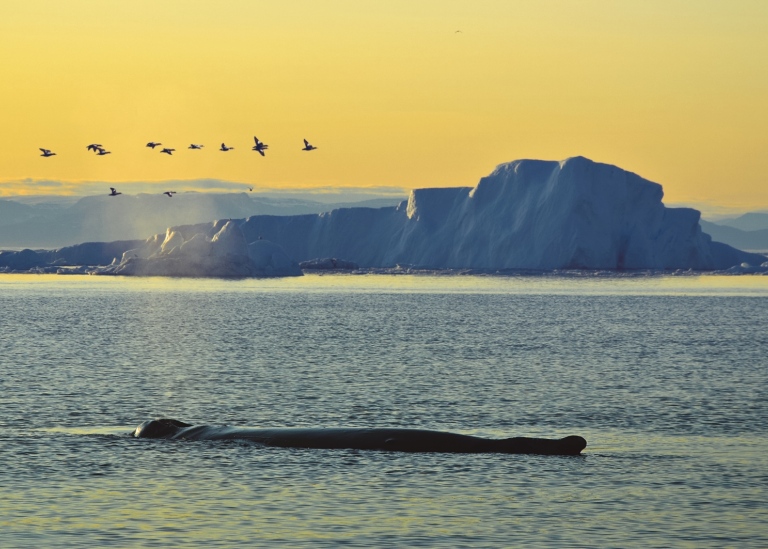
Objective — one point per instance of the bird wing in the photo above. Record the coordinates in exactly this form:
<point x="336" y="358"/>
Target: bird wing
<point x="261" y="152"/>
<point x="306" y="143"/>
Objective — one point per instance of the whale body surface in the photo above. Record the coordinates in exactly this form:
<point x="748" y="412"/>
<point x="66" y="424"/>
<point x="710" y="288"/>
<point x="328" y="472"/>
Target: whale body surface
<point x="382" y="439"/>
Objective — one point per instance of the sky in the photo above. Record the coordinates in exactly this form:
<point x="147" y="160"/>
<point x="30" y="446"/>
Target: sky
<point x="397" y="94"/>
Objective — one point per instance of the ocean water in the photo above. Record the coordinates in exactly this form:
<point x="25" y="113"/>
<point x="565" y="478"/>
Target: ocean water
<point x="665" y="376"/>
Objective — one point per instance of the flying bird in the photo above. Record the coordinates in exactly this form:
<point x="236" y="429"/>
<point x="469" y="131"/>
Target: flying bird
<point x="102" y="152"/>
<point x="47" y="153"/>
<point x="168" y="151"/>
<point x="93" y="147"/>
<point x="224" y="148"/>
<point x="114" y="192"/>
<point x="250" y="188"/>
<point x="259" y="147"/>
<point x="193" y="146"/>
<point x="152" y="144"/>
<point x="308" y="147"/>
<point x="170" y="193"/>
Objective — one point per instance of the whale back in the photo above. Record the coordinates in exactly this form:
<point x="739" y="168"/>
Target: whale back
<point x="159" y="428"/>
<point x="357" y="438"/>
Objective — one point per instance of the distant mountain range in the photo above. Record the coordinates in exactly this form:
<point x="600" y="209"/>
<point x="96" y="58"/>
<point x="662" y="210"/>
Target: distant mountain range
<point x="752" y="221"/>
<point x="746" y="232"/>
<point x="52" y="222"/>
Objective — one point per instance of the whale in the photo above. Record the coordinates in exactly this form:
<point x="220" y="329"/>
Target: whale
<point x="361" y="438"/>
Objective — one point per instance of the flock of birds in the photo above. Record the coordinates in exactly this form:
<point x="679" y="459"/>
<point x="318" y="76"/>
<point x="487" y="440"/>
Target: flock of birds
<point x="259" y="147"/>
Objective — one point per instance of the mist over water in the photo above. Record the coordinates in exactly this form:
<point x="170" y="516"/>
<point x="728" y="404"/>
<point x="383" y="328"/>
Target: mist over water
<point x="664" y="377"/>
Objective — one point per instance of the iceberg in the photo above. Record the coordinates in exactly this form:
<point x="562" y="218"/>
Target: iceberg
<point x="222" y="251"/>
<point x="527" y="214"/>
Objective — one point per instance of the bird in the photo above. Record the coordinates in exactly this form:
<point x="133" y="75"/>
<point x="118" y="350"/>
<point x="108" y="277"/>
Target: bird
<point x="168" y="151"/>
<point x="250" y="188"/>
<point x="170" y="193"/>
<point x="224" y="148"/>
<point x="308" y="147"/>
<point x="193" y="146"/>
<point x="93" y="147"/>
<point x="259" y="147"/>
<point x="152" y="144"/>
<point x="47" y="153"/>
<point x="102" y="152"/>
<point x="114" y="192"/>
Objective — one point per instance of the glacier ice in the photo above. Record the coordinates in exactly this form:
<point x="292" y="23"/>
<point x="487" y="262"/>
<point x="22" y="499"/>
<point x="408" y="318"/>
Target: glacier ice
<point x="221" y="251"/>
<point x="527" y="214"/>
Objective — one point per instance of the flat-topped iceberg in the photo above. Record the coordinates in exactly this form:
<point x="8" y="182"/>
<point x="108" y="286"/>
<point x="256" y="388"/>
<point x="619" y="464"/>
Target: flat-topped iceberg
<point x="221" y="251"/>
<point x="527" y="214"/>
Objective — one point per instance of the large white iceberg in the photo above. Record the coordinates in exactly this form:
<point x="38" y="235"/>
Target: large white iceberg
<point x="527" y="214"/>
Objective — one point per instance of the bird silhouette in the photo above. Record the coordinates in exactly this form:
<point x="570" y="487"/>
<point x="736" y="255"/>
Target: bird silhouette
<point x="168" y="151"/>
<point x="152" y="144"/>
<point x="93" y="147"/>
<point x="102" y="152"/>
<point x="170" y="193"/>
<point x="114" y="192"/>
<point x="47" y="153"/>
<point x="308" y="147"/>
<point x="224" y="148"/>
<point x="193" y="146"/>
<point x="259" y="147"/>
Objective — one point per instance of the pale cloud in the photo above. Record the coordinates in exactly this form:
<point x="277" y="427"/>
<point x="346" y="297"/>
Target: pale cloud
<point x="38" y="187"/>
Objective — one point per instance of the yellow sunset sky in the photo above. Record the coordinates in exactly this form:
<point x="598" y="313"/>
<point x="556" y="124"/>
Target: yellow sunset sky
<point x="389" y="92"/>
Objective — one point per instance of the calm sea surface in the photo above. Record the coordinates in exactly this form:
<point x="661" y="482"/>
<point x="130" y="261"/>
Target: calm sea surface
<point x="666" y="378"/>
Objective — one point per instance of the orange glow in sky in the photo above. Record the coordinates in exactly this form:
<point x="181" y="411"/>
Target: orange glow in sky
<point x="389" y="92"/>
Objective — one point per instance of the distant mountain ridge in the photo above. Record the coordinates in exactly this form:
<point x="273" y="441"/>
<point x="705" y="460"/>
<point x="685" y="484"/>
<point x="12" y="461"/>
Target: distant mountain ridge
<point x="752" y="240"/>
<point x="750" y="221"/>
<point x="127" y="217"/>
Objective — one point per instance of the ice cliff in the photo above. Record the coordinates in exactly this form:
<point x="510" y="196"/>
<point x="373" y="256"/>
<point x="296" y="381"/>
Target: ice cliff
<point x="527" y="214"/>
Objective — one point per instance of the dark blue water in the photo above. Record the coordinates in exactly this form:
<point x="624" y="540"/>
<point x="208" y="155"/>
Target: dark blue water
<point x="664" y="376"/>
